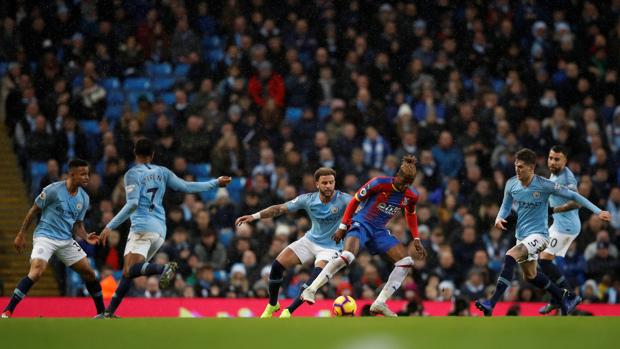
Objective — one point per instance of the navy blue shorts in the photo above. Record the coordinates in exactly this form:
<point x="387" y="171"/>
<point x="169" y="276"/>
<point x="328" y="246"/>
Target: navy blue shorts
<point x="377" y="241"/>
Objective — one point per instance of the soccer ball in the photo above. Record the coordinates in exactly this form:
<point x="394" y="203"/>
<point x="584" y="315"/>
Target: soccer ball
<point x="344" y="306"/>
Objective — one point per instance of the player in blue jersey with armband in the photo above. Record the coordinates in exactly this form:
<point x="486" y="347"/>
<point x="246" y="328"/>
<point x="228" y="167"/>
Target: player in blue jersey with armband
<point x="530" y="195"/>
<point x="62" y="206"/>
<point x="325" y="209"/>
<point x="145" y="185"/>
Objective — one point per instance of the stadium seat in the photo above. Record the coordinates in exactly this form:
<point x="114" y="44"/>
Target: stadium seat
<point x="235" y="188"/>
<point x="293" y="114"/>
<point x="211" y="42"/>
<point x="137" y="84"/>
<point x="90" y="127"/>
<point x="4" y="67"/>
<point x="162" y="84"/>
<point x="214" y="56"/>
<point x="115" y="97"/>
<point x="168" y="97"/>
<point x="113" y="112"/>
<point x="199" y="169"/>
<point x="225" y="236"/>
<point x="158" y="69"/>
<point x="110" y="84"/>
<point x="38" y="169"/>
<point x="323" y="112"/>
<point x="181" y="70"/>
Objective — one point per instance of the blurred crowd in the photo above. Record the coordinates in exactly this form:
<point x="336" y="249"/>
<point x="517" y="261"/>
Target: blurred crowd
<point x="267" y="91"/>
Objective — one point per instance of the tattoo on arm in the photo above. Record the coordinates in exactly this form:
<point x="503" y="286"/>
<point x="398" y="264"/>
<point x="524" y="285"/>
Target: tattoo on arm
<point x="273" y="211"/>
<point x="32" y="213"/>
<point x="569" y="206"/>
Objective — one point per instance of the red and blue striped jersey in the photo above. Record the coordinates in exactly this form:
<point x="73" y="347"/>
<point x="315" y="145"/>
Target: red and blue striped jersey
<point x="380" y="201"/>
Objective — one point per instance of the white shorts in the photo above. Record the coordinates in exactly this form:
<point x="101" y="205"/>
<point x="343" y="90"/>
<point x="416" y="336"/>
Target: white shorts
<point x="145" y="244"/>
<point x="69" y="251"/>
<point x="559" y="242"/>
<point x="307" y="250"/>
<point x="535" y="244"/>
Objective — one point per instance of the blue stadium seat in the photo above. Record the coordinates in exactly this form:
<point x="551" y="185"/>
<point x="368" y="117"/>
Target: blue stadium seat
<point x="169" y="98"/>
<point x="110" y="84"/>
<point x="324" y="112"/>
<point x="199" y="169"/>
<point x="137" y="84"/>
<point x="158" y="69"/>
<point x="90" y="127"/>
<point x="225" y="236"/>
<point x="38" y="169"/>
<point x="214" y="56"/>
<point x="115" y="97"/>
<point x="181" y="70"/>
<point x="235" y="188"/>
<point x="211" y="42"/>
<point x="162" y="84"/>
<point x="113" y="112"/>
<point x="4" y="67"/>
<point x="293" y="114"/>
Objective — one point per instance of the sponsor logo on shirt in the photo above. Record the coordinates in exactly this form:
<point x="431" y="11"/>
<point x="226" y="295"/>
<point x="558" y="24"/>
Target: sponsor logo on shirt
<point x="388" y="209"/>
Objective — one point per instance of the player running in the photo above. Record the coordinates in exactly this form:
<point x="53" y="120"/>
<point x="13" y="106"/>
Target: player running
<point x="380" y="199"/>
<point x="62" y="206"/>
<point x="325" y="209"/>
<point x="145" y="185"/>
<point x="530" y="193"/>
<point x="566" y="224"/>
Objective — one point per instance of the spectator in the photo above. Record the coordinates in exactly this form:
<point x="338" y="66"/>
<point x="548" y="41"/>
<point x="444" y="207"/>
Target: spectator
<point x="267" y="85"/>
<point x="448" y="157"/>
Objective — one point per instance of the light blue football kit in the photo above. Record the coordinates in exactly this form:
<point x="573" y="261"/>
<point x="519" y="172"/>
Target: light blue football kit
<point x="325" y="219"/>
<point x="565" y="222"/>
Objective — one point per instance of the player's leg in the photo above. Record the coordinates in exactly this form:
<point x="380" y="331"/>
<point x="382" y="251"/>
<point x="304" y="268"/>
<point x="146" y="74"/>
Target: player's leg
<point x="514" y="255"/>
<point x="355" y="237"/>
<point x="395" y="251"/>
<point x="37" y="267"/>
<point x="558" y="246"/>
<point x="561" y="296"/>
<point x="72" y="255"/>
<point x="91" y="282"/>
<point x="130" y="260"/>
<point x="289" y="257"/>
<point x="323" y="256"/>
<point x="42" y="251"/>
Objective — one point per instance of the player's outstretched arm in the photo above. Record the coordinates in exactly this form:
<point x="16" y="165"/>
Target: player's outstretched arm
<point x="178" y="184"/>
<point x="20" y="239"/>
<point x="80" y="231"/>
<point x="132" y="194"/>
<point x="269" y="212"/>
<point x="581" y="200"/>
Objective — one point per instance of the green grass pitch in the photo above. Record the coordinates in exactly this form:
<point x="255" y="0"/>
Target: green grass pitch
<point x="299" y="333"/>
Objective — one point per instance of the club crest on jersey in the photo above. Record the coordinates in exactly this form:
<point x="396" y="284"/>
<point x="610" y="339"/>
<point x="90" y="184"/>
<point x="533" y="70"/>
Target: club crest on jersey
<point x="406" y="201"/>
<point x="536" y="194"/>
<point x="42" y="196"/>
<point x="334" y="209"/>
<point x="78" y="206"/>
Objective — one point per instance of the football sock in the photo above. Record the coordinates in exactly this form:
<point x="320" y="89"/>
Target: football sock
<point x="542" y="281"/>
<point x="397" y="276"/>
<point x="297" y="302"/>
<point x="94" y="288"/>
<point x="504" y="279"/>
<point x="140" y="269"/>
<point x="330" y="269"/>
<point x="275" y="280"/>
<point x="554" y="273"/>
<point x="19" y="293"/>
<point x="123" y="286"/>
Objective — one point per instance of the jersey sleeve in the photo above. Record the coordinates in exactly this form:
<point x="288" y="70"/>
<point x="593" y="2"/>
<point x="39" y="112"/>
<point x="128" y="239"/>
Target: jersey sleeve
<point x="298" y="203"/>
<point x="565" y="192"/>
<point x="178" y="184"/>
<point x="504" y="210"/>
<point x="47" y="195"/>
<point x="84" y="208"/>
<point x="132" y="187"/>
<point x="368" y="189"/>
<point x="571" y="182"/>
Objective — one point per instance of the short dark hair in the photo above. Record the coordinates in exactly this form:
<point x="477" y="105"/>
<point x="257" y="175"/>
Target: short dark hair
<point x="324" y="171"/>
<point x="75" y="163"/>
<point x="560" y="149"/>
<point x="526" y="155"/>
<point x="144" y="147"/>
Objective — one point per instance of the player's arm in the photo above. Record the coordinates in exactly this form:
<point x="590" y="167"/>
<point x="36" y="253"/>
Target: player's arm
<point x="361" y="195"/>
<point x="504" y="210"/>
<point x="20" y="239"/>
<point x="569" y="206"/>
<point x="79" y="229"/>
<point x="178" y="184"/>
<point x="566" y="193"/>
<point x="412" y="222"/>
<point x="269" y="212"/>
<point x="132" y="195"/>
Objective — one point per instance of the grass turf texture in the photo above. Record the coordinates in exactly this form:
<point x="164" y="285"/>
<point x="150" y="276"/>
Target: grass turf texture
<point x="298" y="333"/>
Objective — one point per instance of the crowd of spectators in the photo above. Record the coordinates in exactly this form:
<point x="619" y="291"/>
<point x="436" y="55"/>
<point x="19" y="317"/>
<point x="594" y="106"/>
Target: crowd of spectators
<point x="267" y="91"/>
